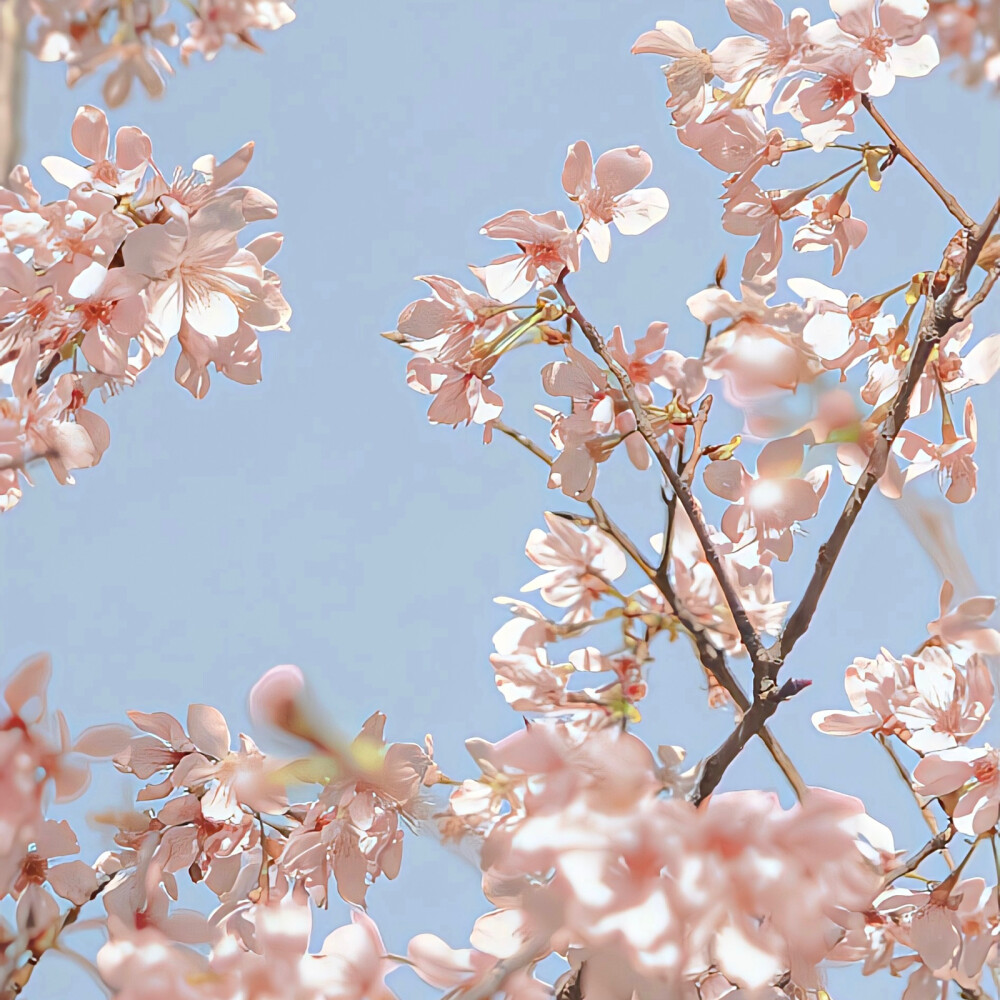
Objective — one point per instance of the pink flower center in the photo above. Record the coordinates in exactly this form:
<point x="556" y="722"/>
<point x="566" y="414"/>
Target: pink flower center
<point x="985" y="769"/>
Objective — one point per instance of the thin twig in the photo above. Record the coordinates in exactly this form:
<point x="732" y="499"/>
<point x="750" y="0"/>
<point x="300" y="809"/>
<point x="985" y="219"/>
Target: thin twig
<point x="950" y="201"/>
<point x="922" y="806"/>
<point x="912" y="863"/>
<point x="749" y="636"/>
<point x="711" y="657"/>
<point x="938" y="318"/>
<point x="981" y="293"/>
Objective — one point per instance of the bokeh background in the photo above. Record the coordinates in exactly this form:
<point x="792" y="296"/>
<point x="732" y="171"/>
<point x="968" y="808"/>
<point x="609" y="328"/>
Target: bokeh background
<point x="318" y="519"/>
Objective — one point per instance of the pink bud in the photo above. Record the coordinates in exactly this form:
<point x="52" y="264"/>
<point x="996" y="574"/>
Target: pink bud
<point x="274" y="698"/>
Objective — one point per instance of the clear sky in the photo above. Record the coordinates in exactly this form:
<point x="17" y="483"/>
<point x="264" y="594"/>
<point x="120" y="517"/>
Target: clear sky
<point x="317" y="519"/>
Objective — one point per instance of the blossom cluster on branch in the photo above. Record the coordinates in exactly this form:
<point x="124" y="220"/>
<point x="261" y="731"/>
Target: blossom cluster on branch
<point x="96" y="285"/>
<point x="131" y="36"/>
<point x="620" y="859"/>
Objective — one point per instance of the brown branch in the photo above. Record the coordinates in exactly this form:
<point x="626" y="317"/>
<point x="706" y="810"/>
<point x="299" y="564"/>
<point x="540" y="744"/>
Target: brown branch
<point x="749" y="636"/>
<point x="711" y="657"/>
<point x="938" y="318"/>
<point x="922" y="806"/>
<point x="900" y="147"/>
<point x="938" y="842"/>
<point x="982" y="292"/>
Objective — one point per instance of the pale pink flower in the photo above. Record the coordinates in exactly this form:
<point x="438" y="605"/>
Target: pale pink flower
<point x="758" y="63"/>
<point x="582" y="444"/>
<point x="145" y="964"/>
<point x="952" y="703"/>
<point x="352" y="831"/>
<point x="206" y="290"/>
<point x="91" y="136"/>
<point x="736" y="140"/>
<point x="876" y="689"/>
<point x="547" y="248"/>
<point x="826" y="106"/>
<point x="75" y="881"/>
<point x="701" y="595"/>
<point x="35" y="749"/>
<point x="771" y="502"/>
<point x="831" y="225"/>
<point x="580" y="565"/>
<point x="615" y="196"/>
<point x="228" y="781"/>
<point x="952" y="927"/>
<point x="928" y="701"/>
<point x="952" y="458"/>
<point x="752" y="211"/>
<point x="894" y="44"/>
<point x="964" y="625"/>
<point x="689" y="72"/>
<point x="951" y="770"/>
<point x="221" y="21"/>
<point x="762" y="349"/>
<point x="648" y="362"/>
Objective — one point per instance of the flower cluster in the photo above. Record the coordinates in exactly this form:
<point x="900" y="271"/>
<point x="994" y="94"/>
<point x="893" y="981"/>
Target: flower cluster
<point x="131" y="36"/>
<point x="95" y="286"/>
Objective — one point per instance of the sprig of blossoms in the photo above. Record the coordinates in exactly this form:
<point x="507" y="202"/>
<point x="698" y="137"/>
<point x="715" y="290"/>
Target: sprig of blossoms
<point x="95" y="286"/>
<point x="132" y="35"/>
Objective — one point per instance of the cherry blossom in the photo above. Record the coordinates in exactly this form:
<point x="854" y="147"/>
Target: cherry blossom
<point x="615" y="196"/>
<point x="90" y="34"/>
<point x="689" y="72"/>
<point x="950" y="770"/>
<point x="896" y="44"/>
<point x="580" y="565"/>
<point x="952" y="458"/>
<point x="770" y="503"/>
<point x="928" y="701"/>
<point x="547" y="248"/>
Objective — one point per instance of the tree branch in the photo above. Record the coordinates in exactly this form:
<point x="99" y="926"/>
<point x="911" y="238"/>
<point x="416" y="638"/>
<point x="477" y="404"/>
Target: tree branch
<point x="938" y="318"/>
<point x="950" y="201"/>
<point x="711" y="657"/>
<point x="749" y="636"/>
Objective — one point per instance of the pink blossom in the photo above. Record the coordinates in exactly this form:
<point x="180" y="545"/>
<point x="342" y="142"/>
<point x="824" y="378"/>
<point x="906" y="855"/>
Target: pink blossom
<point x="831" y="225"/>
<point x="219" y="21"/>
<point x="952" y="458"/>
<point x="580" y="565"/>
<point x="951" y="770"/>
<point x="228" y="781"/>
<point x="825" y="106"/>
<point x="615" y="196"/>
<point x="701" y="595"/>
<point x="928" y="701"/>
<point x="896" y="44"/>
<point x="762" y="349"/>
<point x="758" y="63"/>
<point x="689" y="72"/>
<point x="964" y="625"/>
<point x="121" y="176"/>
<point x="770" y="503"/>
<point x="352" y="831"/>
<point x="547" y="248"/>
<point x="207" y="291"/>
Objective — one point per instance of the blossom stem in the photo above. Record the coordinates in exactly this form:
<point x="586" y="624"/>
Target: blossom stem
<point x="936" y="843"/>
<point x="950" y="201"/>
<point x="751" y="640"/>
<point x="922" y="806"/>
<point x="939" y="316"/>
<point x="711" y="657"/>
